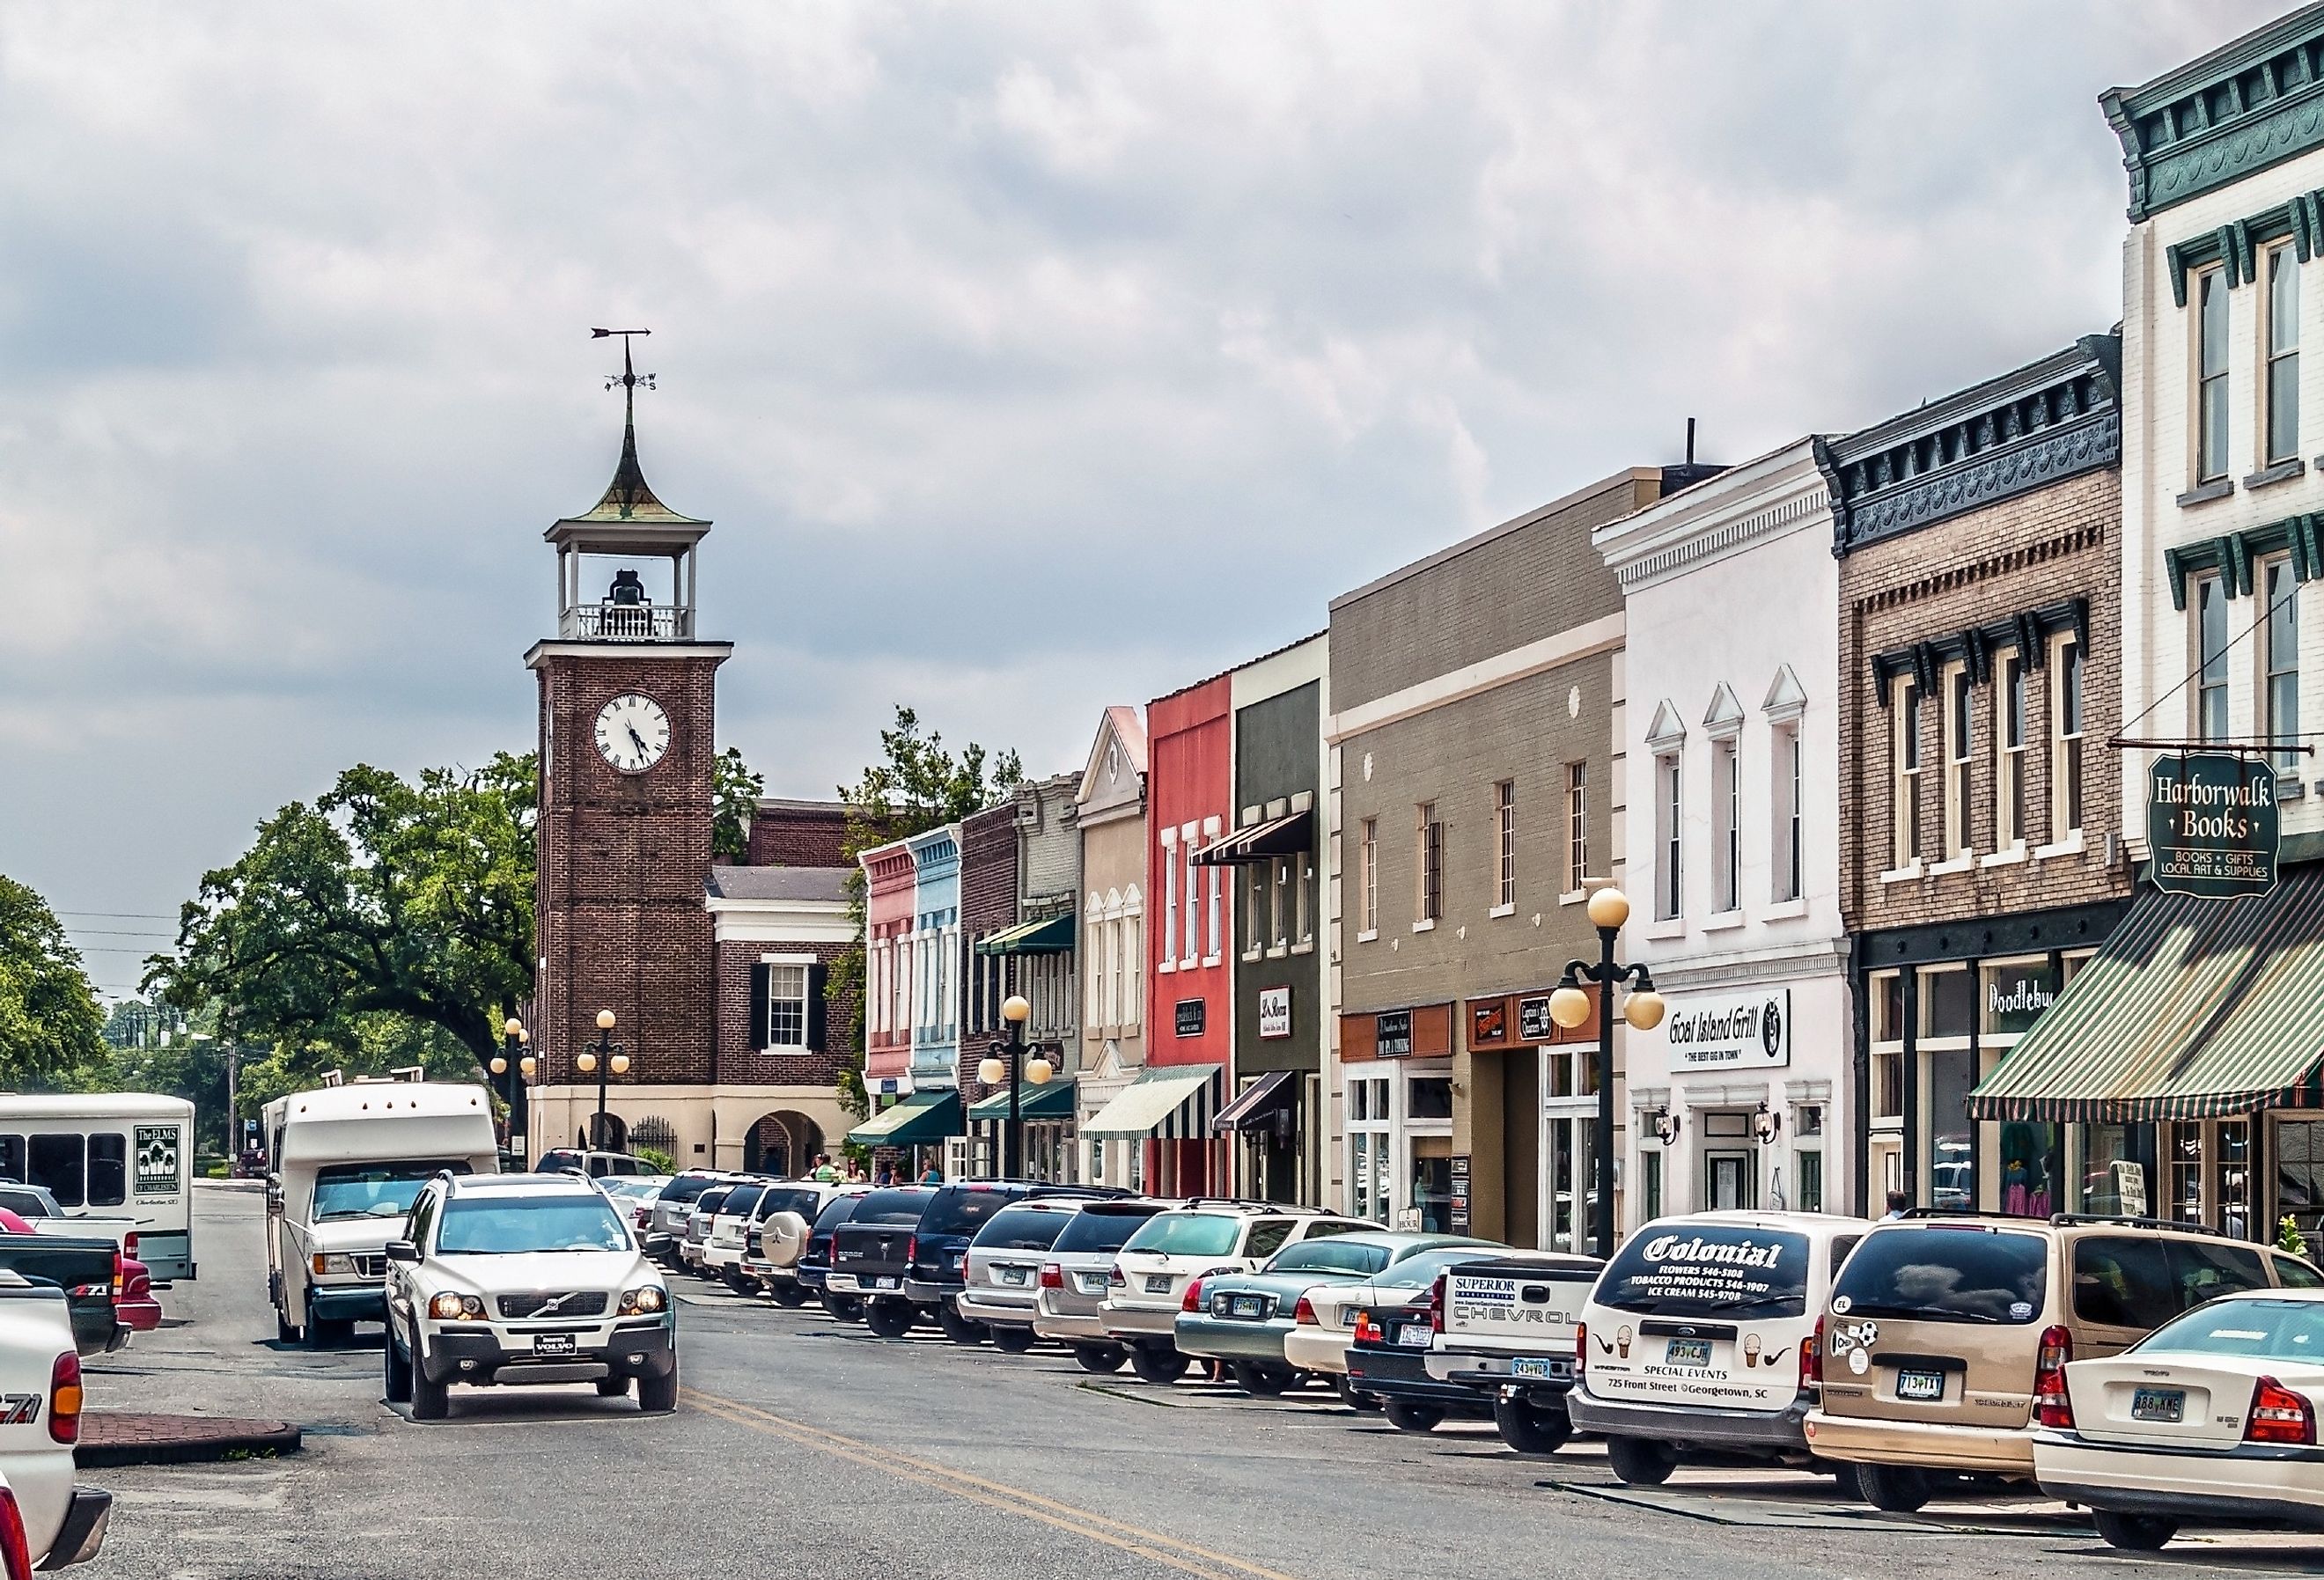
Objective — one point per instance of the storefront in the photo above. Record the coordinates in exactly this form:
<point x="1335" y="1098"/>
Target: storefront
<point x="1047" y="1113"/>
<point x="1397" y="1093"/>
<point x="1526" y="1114"/>
<point x="2177" y="1073"/>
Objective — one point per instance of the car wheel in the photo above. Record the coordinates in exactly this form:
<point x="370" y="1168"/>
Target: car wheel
<point x="1844" y="1477"/>
<point x="1263" y="1381"/>
<point x="2137" y="1533"/>
<point x="396" y="1384"/>
<point x="1355" y="1398"/>
<point x="1896" y="1489"/>
<point x="658" y="1395"/>
<point x="1638" y="1463"/>
<point x="1100" y="1358"/>
<point x="890" y="1318"/>
<point x="1406" y="1416"/>
<point x="959" y="1328"/>
<point x="1010" y="1340"/>
<point x="613" y="1388"/>
<point x="430" y="1401"/>
<point x="1157" y="1363"/>
<point x="328" y="1336"/>
<point x="1532" y="1428"/>
<point x="740" y="1284"/>
<point x="788" y="1294"/>
<point x="842" y="1308"/>
<point x="284" y="1334"/>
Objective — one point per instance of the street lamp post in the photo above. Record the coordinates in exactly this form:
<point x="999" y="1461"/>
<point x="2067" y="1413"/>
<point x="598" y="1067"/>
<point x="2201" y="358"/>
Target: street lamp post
<point x="1570" y="1007"/>
<point x="1005" y="1060"/>
<point x="511" y="1068"/>
<point x="606" y="1056"/>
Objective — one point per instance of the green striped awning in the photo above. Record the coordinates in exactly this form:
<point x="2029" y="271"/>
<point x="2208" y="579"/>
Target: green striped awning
<point x="2191" y="1009"/>
<point x="1049" y="1100"/>
<point x="1049" y="935"/>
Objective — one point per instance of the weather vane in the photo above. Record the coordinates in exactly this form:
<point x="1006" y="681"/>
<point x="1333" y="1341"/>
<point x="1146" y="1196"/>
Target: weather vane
<point x="628" y="379"/>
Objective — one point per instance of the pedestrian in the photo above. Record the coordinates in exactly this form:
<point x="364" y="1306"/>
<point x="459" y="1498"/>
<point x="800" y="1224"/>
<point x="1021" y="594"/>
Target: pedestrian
<point x="934" y="1176"/>
<point x="855" y="1175"/>
<point x="1897" y="1202"/>
<point x="824" y="1173"/>
<point x="887" y="1175"/>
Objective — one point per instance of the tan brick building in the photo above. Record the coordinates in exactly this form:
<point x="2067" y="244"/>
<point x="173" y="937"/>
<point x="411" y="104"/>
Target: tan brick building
<point x="1981" y="851"/>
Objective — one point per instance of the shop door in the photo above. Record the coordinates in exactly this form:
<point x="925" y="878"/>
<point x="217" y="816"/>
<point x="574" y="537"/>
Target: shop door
<point x="1432" y="1183"/>
<point x="1730" y="1178"/>
<point x="1572" y="1181"/>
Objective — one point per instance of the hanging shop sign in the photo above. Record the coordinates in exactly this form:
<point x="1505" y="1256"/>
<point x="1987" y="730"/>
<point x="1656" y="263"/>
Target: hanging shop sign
<point x="1534" y="1023"/>
<point x="1392" y="1034"/>
<point x="1273" y="1012"/>
<point x="1488" y="1023"/>
<point x="1192" y="1015"/>
<point x="1730" y="1030"/>
<point x="2212" y="824"/>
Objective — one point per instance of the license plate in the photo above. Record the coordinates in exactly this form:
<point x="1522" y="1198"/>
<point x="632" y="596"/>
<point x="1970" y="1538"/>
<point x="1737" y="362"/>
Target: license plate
<point x="885" y="1283"/>
<point x="1158" y="1283"/>
<point x="552" y="1343"/>
<point x="1246" y="1306"/>
<point x="1413" y="1336"/>
<point x="1689" y="1351"/>
<point x="1538" y="1366"/>
<point x="1012" y="1275"/>
<point x="1923" y="1385"/>
<point x="2158" y="1404"/>
<point x="1090" y="1283"/>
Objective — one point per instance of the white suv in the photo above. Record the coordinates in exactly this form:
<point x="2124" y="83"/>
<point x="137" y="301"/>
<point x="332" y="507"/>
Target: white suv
<point x="1150" y="1273"/>
<point x="521" y="1279"/>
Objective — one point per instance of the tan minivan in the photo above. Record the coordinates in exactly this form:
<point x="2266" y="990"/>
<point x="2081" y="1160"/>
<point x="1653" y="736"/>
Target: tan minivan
<point x="1946" y="1332"/>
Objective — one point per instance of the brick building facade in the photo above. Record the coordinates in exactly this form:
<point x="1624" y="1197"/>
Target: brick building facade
<point x="1981" y="860"/>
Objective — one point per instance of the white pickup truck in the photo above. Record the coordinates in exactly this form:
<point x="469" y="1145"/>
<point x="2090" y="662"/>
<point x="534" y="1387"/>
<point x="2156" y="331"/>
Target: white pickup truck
<point x="1505" y="1328"/>
<point x="40" y="1422"/>
<point x="39" y="1209"/>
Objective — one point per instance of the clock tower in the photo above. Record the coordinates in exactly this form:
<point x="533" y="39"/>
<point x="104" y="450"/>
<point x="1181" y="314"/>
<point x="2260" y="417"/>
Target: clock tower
<point x="628" y="708"/>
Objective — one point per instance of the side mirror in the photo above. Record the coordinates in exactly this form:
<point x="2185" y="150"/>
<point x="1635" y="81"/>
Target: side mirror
<point x="402" y="1251"/>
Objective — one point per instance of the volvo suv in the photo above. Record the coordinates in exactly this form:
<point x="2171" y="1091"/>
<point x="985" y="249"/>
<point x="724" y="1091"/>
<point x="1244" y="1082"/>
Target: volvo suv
<point x="516" y="1279"/>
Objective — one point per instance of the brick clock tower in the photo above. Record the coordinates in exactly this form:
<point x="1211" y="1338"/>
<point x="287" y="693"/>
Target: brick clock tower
<point x="628" y="711"/>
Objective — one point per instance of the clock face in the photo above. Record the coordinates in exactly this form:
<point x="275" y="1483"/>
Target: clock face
<point x="632" y="733"/>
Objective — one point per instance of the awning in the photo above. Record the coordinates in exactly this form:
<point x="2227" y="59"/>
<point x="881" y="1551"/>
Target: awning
<point x="1052" y="935"/>
<point x="2193" y="1008"/>
<point x="920" y="1119"/>
<point x="1258" y="1102"/>
<point x="1258" y="842"/>
<point x="1168" y="1100"/>
<point x="1051" y="1100"/>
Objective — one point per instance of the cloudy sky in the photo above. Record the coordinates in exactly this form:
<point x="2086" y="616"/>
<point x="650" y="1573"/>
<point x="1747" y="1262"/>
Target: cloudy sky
<point x="1030" y="356"/>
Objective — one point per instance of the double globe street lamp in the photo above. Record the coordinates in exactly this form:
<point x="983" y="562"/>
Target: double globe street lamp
<point x="512" y="1068"/>
<point x="607" y="1058"/>
<point x="1006" y="1060"/>
<point x="1570" y="1007"/>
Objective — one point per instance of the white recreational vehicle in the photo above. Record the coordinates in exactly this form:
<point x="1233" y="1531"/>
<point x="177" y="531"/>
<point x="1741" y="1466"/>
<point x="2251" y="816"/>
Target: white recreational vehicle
<point x="345" y="1163"/>
<point x="113" y="1157"/>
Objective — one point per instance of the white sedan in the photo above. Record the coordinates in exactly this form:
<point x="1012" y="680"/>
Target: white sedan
<point x="2210" y="1419"/>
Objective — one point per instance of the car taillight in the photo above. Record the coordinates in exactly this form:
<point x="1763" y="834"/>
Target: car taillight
<point x="64" y="1397"/>
<point x="1193" y="1299"/>
<point x="129" y="1245"/>
<point x="643" y="1216"/>
<point x="1811" y="1358"/>
<point x="1305" y="1312"/>
<point x="1052" y="1275"/>
<point x="2278" y="1414"/>
<point x="15" y="1553"/>
<point x="2049" y="1398"/>
<point x="1581" y="1349"/>
<point x="1436" y="1305"/>
<point x="1367" y="1331"/>
<point x="120" y="1274"/>
<point x="911" y="1250"/>
<point x="1114" y="1278"/>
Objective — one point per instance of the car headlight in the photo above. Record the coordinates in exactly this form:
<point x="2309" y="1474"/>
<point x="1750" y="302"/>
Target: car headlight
<point x="641" y="1302"/>
<point x="448" y="1305"/>
<point x="329" y="1262"/>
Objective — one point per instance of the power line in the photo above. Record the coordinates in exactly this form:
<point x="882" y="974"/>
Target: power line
<point x="123" y="915"/>
<point x="104" y="932"/>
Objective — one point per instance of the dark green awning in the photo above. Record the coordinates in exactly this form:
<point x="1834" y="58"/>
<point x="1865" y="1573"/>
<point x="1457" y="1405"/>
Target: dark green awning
<point x="2191" y="1009"/>
<point x="1052" y="935"/>
<point x="1051" y="1100"/>
<point x="920" y="1119"/>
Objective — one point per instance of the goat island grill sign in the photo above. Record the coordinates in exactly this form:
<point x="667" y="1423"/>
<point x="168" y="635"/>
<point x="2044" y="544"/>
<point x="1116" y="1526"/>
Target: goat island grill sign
<point x="2212" y="824"/>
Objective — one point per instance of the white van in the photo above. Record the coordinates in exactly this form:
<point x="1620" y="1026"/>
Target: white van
<point x="111" y="1155"/>
<point x="1702" y="1334"/>
<point x="346" y="1163"/>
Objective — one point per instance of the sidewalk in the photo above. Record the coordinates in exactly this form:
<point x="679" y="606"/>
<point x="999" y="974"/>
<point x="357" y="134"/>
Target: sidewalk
<point x="115" y="1437"/>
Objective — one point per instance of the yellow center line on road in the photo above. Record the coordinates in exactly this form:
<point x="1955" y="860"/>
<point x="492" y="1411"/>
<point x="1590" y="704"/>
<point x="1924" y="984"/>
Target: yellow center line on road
<point x="1183" y="1557"/>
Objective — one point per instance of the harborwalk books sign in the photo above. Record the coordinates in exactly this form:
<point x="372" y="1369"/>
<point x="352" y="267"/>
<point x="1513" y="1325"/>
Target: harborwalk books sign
<point x="2212" y="822"/>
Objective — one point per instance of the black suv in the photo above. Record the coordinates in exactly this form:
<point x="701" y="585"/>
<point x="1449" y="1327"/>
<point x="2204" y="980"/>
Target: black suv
<point x="813" y="1270"/>
<point x="870" y="1251"/>
<point x="917" y="1272"/>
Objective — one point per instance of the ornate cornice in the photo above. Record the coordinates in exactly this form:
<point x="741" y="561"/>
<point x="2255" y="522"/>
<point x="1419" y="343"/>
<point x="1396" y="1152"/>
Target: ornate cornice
<point x="2244" y="106"/>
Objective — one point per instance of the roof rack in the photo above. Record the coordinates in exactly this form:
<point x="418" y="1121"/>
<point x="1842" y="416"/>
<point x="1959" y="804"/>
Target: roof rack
<point x="2067" y="1220"/>
<point x="1239" y="1201"/>
<point x="1964" y="1213"/>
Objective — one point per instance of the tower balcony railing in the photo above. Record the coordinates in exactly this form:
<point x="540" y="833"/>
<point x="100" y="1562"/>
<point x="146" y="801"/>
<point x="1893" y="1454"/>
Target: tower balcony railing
<point x="626" y="623"/>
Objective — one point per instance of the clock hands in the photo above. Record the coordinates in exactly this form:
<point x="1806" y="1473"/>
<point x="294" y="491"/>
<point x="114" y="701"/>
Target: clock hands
<point x="637" y="740"/>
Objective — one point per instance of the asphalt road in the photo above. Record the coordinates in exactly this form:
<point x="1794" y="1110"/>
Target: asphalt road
<point x="804" y="1447"/>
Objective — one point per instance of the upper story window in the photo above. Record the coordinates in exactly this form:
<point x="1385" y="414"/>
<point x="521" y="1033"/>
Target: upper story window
<point x="1193" y="915"/>
<point x="1428" y="863"/>
<point x="1785" y="856"/>
<point x="1215" y="921"/>
<point x="1577" y="827"/>
<point x="2283" y="391"/>
<point x="1961" y="746"/>
<point x="1368" y="873"/>
<point x="1667" y="835"/>
<point x="2211" y="376"/>
<point x="785" y="1006"/>
<point x="1727" y="830"/>
<point x="2280" y="656"/>
<point x="1904" y="763"/>
<point x="2066" y="721"/>
<point x="2210" y="658"/>
<point x="1169" y="938"/>
<point x="2009" y="770"/>
<point x="1505" y="843"/>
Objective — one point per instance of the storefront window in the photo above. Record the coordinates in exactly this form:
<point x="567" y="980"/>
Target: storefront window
<point x="2014" y="994"/>
<point x="2029" y="1173"/>
<point x="2186" y="1202"/>
<point x="1432" y="1182"/>
<point x="2115" y="1169"/>
<point x="2231" y="1179"/>
<point x="2300" y="1174"/>
<point x="1429" y="1097"/>
<point x="1952" y="1153"/>
<point x="1948" y="1001"/>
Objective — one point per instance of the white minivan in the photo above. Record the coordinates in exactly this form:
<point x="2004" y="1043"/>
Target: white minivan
<point x="1702" y="1334"/>
<point x="345" y="1164"/>
<point x="116" y="1155"/>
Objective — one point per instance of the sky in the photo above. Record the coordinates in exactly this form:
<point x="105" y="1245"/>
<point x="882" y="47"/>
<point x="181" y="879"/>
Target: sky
<point x="1030" y="356"/>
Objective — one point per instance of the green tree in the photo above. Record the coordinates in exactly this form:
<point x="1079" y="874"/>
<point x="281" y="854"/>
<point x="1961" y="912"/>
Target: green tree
<point x="386" y="904"/>
<point x="51" y="1029"/>
<point x="735" y="792"/>
<point x="914" y="786"/>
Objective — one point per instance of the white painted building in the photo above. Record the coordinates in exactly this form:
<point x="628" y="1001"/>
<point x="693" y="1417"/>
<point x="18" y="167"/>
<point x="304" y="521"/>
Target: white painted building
<point x="1729" y="757"/>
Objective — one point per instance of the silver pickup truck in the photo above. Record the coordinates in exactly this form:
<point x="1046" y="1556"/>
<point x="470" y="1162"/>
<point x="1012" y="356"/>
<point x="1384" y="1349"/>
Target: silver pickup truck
<point x="1505" y="1328"/>
<point x="40" y="1423"/>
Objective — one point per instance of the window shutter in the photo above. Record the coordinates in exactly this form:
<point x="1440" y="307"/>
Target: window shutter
<point x="818" y="977"/>
<point x="761" y="981"/>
